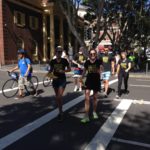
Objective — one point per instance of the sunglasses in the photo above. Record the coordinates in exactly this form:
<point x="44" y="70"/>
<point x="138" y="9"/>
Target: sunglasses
<point x="59" y="52"/>
<point x="93" y="54"/>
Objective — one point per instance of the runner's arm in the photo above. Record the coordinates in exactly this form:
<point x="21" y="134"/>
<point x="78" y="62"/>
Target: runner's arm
<point x="113" y="67"/>
<point x="118" y="69"/>
<point x="129" y="67"/>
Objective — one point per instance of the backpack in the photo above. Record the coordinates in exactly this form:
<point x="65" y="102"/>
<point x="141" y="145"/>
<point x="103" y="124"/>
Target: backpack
<point x="31" y="68"/>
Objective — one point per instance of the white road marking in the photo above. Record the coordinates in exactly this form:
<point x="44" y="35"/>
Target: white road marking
<point x="16" y="135"/>
<point x="135" y="101"/>
<point x="147" y="86"/>
<point x="142" y="80"/>
<point x="106" y="132"/>
<point x="131" y="142"/>
<point x="8" y="90"/>
<point x="20" y="133"/>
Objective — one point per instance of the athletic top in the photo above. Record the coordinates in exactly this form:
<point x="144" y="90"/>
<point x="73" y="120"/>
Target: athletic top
<point x="106" y="62"/>
<point x="123" y="64"/>
<point x="57" y="66"/>
<point x="79" y="58"/>
<point x="93" y="68"/>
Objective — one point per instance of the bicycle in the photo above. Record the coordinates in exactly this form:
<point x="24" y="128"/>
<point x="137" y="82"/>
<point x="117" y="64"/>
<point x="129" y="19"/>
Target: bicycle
<point x="10" y="87"/>
<point x="47" y="79"/>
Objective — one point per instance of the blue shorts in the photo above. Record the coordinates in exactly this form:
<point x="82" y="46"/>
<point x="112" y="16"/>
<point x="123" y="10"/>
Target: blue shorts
<point x="59" y="83"/>
<point x="106" y="75"/>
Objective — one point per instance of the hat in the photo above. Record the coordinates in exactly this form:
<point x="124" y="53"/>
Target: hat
<point x="21" y="51"/>
<point x="59" y="48"/>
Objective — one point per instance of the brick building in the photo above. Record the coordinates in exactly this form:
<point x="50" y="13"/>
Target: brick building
<point x="35" y="25"/>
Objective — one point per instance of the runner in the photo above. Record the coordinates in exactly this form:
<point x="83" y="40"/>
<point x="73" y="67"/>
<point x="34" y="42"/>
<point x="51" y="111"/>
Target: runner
<point x="58" y="68"/>
<point x="108" y="69"/>
<point x="123" y="69"/>
<point x="93" y="66"/>
<point x="78" y="62"/>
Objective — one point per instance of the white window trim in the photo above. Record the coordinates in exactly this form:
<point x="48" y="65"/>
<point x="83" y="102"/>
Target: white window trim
<point x="23" y="22"/>
<point x="22" y="42"/>
<point x="36" y="49"/>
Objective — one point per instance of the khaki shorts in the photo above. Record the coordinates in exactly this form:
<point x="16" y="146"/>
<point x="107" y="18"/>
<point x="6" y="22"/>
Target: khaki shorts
<point x="22" y="82"/>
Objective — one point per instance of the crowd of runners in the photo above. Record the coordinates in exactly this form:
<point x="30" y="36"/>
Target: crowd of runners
<point x="89" y="71"/>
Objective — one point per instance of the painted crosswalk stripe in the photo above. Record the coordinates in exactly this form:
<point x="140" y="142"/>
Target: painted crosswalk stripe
<point x="131" y="142"/>
<point x="147" y="86"/>
<point x="106" y="132"/>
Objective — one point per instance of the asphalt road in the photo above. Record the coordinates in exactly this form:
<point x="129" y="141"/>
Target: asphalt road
<point x="30" y="123"/>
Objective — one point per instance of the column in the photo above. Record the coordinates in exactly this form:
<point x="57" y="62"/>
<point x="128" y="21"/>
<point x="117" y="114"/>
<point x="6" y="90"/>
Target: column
<point x="44" y="37"/>
<point x="61" y="29"/>
<point x="2" y="58"/>
<point x="52" y="37"/>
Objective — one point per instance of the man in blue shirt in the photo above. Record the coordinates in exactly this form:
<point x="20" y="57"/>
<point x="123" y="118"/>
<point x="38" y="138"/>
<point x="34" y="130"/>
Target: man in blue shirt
<point x="24" y="66"/>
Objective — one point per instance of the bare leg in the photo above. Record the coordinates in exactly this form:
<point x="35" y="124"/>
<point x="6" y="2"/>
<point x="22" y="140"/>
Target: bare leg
<point x="59" y="92"/>
<point x="95" y="101"/>
<point x="106" y="86"/>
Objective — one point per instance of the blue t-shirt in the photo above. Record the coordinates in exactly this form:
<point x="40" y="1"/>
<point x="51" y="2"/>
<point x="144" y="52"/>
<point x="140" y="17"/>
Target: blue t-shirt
<point x="23" y="66"/>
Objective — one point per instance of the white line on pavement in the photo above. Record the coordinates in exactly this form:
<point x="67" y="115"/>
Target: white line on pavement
<point x="131" y="142"/>
<point x="16" y="135"/>
<point x="106" y="132"/>
<point x="8" y="90"/>
<point x="142" y="80"/>
<point x="147" y="86"/>
<point x="20" y="133"/>
<point x="135" y="101"/>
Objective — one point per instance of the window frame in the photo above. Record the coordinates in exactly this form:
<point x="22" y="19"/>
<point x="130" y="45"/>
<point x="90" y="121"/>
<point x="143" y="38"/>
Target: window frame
<point x="22" y="23"/>
<point x="36" y="19"/>
<point x="36" y="47"/>
<point x="20" y="38"/>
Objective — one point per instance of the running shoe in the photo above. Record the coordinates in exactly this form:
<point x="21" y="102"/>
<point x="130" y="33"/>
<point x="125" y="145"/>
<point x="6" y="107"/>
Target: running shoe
<point x="80" y="89"/>
<point x="117" y="96"/>
<point x="60" y="117"/>
<point x="95" y="116"/>
<point x="126" y="92"/>
<point x="85" y="120"/>
<point x="75" y="88"/>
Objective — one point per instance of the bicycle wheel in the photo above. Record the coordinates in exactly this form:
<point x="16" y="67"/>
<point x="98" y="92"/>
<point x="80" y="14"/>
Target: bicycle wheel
<point x="32" y="85"/>
<point x="10" y="88"/>
<point x="46" y="81"/>
<point x="35" y="81"/>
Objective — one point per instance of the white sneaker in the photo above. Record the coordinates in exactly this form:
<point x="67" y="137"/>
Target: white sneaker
<point x="75" y="88"/>
<point x="117" y="96"/>
<point x="91" y="93"/>
<point x="95" y="116"/>
<point x="80" y="89"/>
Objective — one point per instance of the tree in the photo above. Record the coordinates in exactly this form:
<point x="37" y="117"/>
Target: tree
<point x="131" y="17"/>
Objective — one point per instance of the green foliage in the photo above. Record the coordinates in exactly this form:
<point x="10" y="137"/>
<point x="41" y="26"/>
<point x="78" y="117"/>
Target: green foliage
<point x="131" y="16"/>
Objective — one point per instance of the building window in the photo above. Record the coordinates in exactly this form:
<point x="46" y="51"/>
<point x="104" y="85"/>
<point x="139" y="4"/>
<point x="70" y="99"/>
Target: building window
<point x="20" y="43"/>
<point x="34" y="23"/>
<point x="34" y="48"/>
<point x="19" y="18"/>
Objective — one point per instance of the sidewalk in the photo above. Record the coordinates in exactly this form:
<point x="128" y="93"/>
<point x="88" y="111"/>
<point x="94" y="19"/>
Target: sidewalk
<point x="41" y="68"/>
<point x="37" y="68"/>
